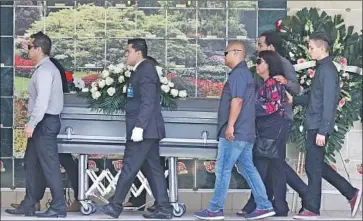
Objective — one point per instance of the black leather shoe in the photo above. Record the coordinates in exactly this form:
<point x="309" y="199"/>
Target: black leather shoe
<point x="52" y="213"/>
<point x="157" y="214"/>
<point x="111" y="210"/>
<point x="16" y="205"/>
<point x="20" y="211"/>
<point x="151" y="209"/>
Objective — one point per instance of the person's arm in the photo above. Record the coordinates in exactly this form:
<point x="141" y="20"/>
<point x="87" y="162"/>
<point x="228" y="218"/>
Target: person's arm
<point x="43" y="84"/>
<point x="148" y="88"/>
<point x="237" y="85"/>
<point x="302" y="100"/>
<point x="329" y="81"/>
<point x="292" y="86"/>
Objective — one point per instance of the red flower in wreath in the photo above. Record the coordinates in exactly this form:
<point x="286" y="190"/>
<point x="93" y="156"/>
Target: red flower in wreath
<point x="360" y="168"/>
<point x="69" y="76"/>
<point x="278" y="23"/>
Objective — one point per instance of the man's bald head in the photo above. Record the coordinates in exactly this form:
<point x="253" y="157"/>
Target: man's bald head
<point x="235" y="53"/>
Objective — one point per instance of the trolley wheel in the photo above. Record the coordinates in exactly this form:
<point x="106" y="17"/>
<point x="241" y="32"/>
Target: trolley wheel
<point x="179" y="210"/>
<point x="89" y="209"/>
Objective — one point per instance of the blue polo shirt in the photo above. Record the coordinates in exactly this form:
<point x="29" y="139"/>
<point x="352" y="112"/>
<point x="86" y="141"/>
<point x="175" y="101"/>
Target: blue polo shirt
<point x="240" y="83"/>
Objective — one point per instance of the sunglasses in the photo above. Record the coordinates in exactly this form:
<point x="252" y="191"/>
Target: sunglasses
<point x="226" y="52"/>
<point x="259" y="61"/>
<point x="31" y="46"/>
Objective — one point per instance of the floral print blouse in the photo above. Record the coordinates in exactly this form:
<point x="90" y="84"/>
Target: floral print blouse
<point x="270" y="98"/>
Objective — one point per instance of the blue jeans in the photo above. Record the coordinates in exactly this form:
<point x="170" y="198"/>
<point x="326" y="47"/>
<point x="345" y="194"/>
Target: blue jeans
<point x="228" y="154"/>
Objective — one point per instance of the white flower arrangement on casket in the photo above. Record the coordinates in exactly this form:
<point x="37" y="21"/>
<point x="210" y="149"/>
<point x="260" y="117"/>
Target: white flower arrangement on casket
<point x="107" y="94"/>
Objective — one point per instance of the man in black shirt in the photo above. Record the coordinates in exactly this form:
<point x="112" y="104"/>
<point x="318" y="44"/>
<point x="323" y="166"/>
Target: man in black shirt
<point x="321" y="113"/>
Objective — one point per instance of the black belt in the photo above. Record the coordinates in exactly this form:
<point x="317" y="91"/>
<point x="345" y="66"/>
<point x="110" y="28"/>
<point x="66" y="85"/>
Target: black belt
<point x="51" y="115"/>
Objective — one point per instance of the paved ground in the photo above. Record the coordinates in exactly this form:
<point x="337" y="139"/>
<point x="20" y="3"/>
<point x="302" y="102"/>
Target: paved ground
<point x="326" y="215"/>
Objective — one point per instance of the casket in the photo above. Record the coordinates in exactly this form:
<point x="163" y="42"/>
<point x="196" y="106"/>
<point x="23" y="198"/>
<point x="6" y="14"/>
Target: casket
<point x="191" y="130"/>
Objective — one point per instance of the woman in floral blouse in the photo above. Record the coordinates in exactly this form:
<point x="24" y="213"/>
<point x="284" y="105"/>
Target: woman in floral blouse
<point x="272" y="127"/>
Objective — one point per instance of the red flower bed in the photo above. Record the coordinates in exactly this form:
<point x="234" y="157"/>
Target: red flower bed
<point x="90" y="78"/>
<point x="23" y="64"/>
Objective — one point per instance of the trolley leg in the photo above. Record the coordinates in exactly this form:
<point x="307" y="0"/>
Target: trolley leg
<point x="179" y="209"/>
<point x="82" y="177"/>
<point x="173" y="181"/>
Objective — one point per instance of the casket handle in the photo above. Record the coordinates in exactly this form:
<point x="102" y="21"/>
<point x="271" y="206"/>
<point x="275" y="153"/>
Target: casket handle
<point x="205" y="135"/>
<point x="69" y="132"/>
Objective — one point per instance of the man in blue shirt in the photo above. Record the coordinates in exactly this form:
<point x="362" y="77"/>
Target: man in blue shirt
<point x="236" y="132"/>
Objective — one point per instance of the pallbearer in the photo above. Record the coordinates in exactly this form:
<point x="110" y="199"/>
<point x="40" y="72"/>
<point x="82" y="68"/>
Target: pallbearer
<point x="144" y="129"/>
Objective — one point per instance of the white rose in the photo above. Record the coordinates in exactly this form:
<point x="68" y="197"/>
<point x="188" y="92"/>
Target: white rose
<point x="105" y="73"/>
<point x="101" y="83"/>
<point x="302" y="81"/>
<point x="301" y="128"/>
<point x="128" y="73"/>
<point x="93" y="90"/>
<point x="164" y="80"/>
<point x="96" y="95"/>
<point x="111" y="67"/>
<point x="111" y="91"/>
<point x="165" y="88"/>
<point x="174" y="92"/>
<point x="336" y="127"/>
<point x="109" y="81"/>
<point x="118" y="70"/>
<point x="94" y="84"/>
<point x="159" y="70"/>
<point x="121" y="79"/>
<point x="124" y="89"/>
<point x="291" y="54"/>
<point x="85" y="89"/>
<point x="183" y="93"/>
<point x="121" y="66"/>
<point x="171" y="84"/>
<point x="308" y="82"/>
<point x="78" y="82"/>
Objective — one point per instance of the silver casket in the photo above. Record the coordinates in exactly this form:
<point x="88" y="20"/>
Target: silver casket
<point x="191" y="132"/>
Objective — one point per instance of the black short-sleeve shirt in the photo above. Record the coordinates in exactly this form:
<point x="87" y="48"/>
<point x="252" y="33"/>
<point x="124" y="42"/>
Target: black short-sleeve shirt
<point x="240" y="83"/>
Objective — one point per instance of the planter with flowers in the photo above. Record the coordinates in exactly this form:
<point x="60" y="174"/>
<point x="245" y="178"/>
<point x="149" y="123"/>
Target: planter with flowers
<point x="107" y="93"/>
<point x="347" y="55"/>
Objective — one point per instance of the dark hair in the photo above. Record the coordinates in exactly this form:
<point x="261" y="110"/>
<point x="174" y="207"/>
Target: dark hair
<point x="274" y="62"/>
<point x="272" y="38"/>
<point x="62" y="74"/>
<point x="320" y="36"/>
<point x="43" y="41"/>
<point x="152" y="60"/>
<point x="139" y="44"/>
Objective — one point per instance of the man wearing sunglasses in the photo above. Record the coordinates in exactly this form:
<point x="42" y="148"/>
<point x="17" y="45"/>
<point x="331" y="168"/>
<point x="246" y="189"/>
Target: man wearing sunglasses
<point x="236" y="133"/>
<point x="41" y="160"/>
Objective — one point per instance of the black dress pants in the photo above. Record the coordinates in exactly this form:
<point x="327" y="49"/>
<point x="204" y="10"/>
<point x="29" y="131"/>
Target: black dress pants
<point x="41" y="162"/>
<point x="316" y="169"/>
<point x="71" y="167"/>
<point x="141" y="199"/>
<point x="144" y="155"/>
<point x="270" y="171"/>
